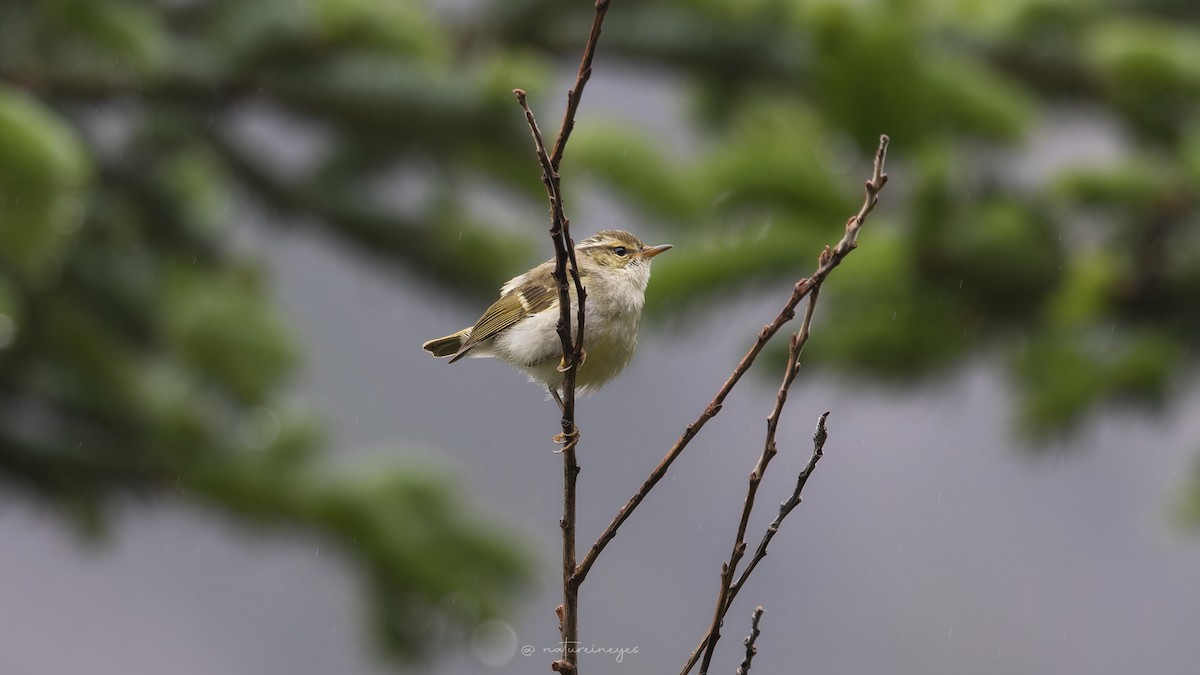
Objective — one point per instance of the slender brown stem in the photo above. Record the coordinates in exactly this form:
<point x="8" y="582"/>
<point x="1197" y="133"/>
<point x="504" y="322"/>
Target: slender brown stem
<point x="829" y="259"/>
<point x="572" y="352"/>
<point x="802" y="288"/>
<point x="581" y="80"/>
<point x="559" y="234"/>
<point x="564" y="257"/>
<point x="819" y="437"/>
<point x="770" y="449"/>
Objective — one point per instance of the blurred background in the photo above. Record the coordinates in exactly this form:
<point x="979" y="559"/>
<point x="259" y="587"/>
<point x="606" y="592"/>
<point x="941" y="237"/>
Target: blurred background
<point x="227" y="227"/>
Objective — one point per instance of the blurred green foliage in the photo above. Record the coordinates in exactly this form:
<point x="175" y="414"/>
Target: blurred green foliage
<point x="140" y="353"/>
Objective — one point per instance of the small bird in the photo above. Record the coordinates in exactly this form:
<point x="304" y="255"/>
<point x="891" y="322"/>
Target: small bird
<point x="521" y="328"/>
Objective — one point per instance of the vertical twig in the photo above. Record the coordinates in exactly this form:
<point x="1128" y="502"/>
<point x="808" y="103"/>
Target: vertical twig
<point x="572" y="351"/>
<point x="559" y="232"/>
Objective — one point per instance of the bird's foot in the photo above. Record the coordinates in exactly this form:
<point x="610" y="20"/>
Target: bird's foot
<point x="567" y="441"/>
<point x="562" y="362"/>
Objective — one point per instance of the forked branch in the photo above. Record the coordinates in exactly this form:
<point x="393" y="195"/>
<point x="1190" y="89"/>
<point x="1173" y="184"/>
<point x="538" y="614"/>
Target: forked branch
<point x="802" y="288"/>
<point x="708" y="643"/>
<point x="572" y="350"/>
<point x="770" y="449"/>
<point x="566" y="272"/>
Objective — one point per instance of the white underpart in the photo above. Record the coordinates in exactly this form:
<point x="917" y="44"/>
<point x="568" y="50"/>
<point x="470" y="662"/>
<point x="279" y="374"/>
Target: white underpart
<point x="613" y="314"/>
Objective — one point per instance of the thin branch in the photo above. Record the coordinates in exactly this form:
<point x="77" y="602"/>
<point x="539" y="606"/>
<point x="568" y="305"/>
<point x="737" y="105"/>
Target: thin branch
<point x="568" y="617"/>
<point x="572" y="353"/>
<point x="770" y="449"/>
<point x="563" y="253"/>
<point x="802" y="288"/>
<point x="581" y="80"/>
<point x="751" y="650"/>
<point x="819" y="437"/>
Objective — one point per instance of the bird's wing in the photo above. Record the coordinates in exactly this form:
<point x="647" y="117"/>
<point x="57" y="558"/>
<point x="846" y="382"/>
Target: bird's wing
<point x="528" y="297"/>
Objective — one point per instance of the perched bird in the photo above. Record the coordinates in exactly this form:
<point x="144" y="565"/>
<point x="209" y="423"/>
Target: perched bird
<point x="521" y="328"/>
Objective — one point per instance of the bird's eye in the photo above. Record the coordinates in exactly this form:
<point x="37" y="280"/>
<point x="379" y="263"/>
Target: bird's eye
<point x="620" y="250"/>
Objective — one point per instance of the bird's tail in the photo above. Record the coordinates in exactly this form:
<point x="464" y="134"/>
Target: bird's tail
<point x="449" y="345"/>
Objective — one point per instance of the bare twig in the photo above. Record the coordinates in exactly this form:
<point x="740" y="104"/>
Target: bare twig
<point x="751" y="650"/>
<point x="572" y="353"/>
<point x="819" y="437"/>
<point x="563" y="254"/>
<point x="770" y="449"/>
<point x="559" y="234"/>
<point x="802" y="288"/>
<point x="581" y="80"/>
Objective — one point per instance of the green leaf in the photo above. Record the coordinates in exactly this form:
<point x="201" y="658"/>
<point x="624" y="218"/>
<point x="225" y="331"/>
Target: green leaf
<point x="706" y="267"/>
<point x="11" y="316"/>
<point x="43" y="173"/>
<point x="224" y="329"/>
<point x="96" y="36"/>
<point x="771" y="158"/>
<point x="402" y="27"/>
<point x="1147" y="55"/>
<point x="1064" y="375"/>
<point x="877" y="323"/>
<point x="634" y="165"/>
<point x="413" y="541"/>
<point x="976" y="100"/>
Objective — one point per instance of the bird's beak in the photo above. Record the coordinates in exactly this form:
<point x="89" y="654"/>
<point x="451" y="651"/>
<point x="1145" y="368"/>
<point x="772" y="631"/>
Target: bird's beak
<point x="651" y="251"/>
